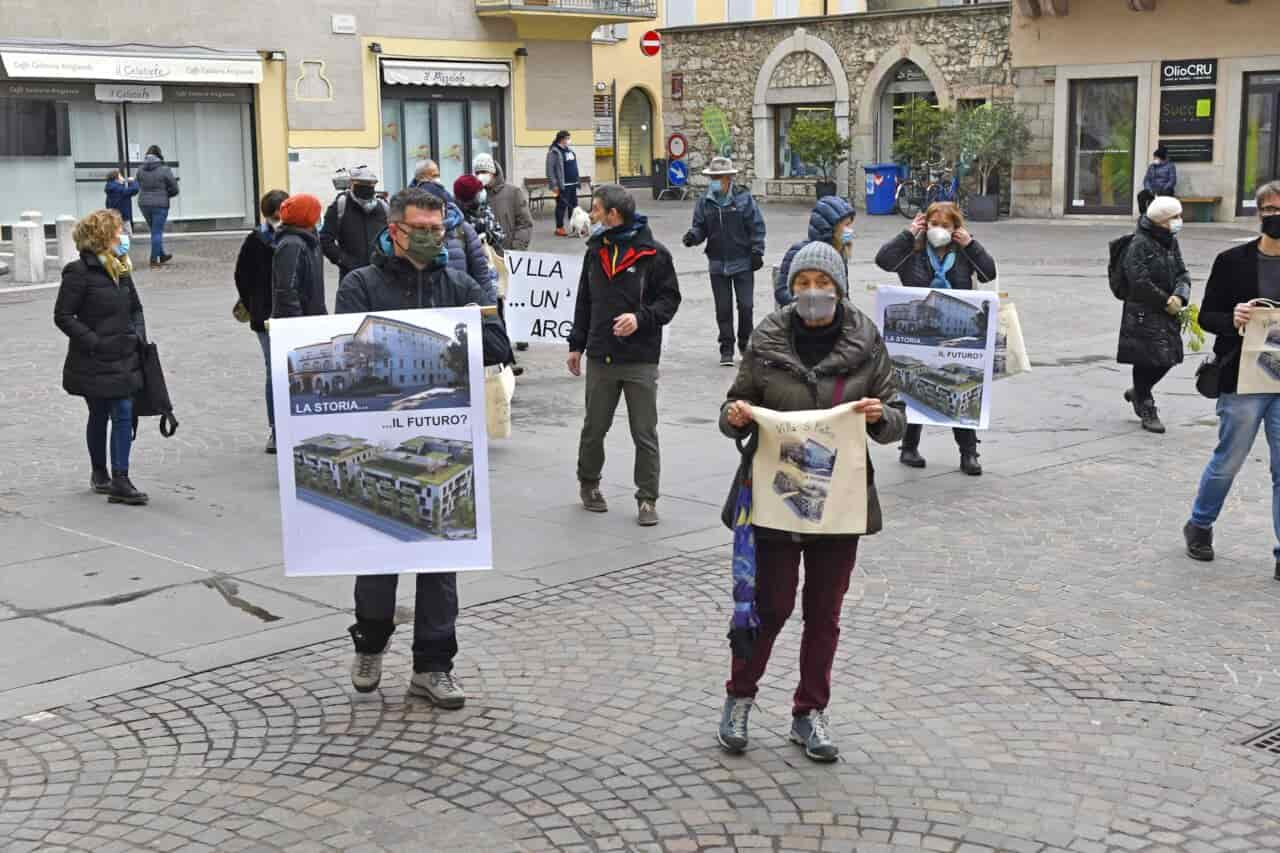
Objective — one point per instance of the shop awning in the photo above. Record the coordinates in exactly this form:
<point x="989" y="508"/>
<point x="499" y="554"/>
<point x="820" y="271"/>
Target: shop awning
<point x="35" y="60"/>
<point x="408" y="72"/>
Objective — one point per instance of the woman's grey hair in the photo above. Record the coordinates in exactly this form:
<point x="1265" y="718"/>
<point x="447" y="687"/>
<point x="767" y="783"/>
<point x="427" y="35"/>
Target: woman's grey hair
<point x="616" y="197"/>
<point x="1271" y="189"/>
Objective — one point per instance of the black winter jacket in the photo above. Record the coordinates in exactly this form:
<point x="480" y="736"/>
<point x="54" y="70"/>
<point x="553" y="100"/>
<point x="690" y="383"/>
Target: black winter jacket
<point x="391" y="283"/>
<point x="1233" y="280"/>
<point x="348" y="242"/>
<point x="253" y="276"/>
<point x="914" y="270"/>
<point x="297" y="274"/>
<point x="627" y="272"/>
<point x="156" y="183"/>
<point x="1149" y="335"/>
<point x="103" y="319"/>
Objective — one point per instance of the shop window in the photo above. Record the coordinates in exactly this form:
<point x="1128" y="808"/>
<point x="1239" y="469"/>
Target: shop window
<point x="34" y="128"/>
<point x="1102" y="116"/>
<point x="789" y="165"/>
<point x="1259" y="139"/>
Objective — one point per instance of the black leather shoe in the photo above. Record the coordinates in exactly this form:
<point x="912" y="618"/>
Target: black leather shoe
<point x="1278" y="570"/>
<point x="911" y="457"/>
<point x="969" y="463"/>
<point x="1200" y="543"/>
<point x="100" y="481"/>
<point x="124" y="492"/>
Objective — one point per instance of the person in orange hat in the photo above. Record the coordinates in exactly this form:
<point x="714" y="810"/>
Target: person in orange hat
<point x="297" y="268"/>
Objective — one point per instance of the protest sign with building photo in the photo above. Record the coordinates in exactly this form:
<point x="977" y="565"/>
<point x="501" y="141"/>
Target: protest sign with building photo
<point x="542" y="291"/>
<point x="942" y="345"/>
<point x="383" y="454"/>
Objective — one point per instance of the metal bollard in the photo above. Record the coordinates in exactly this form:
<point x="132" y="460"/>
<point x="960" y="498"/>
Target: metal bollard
<point x="33" y="216"/>
<point x="28" y="253"/>
<point x="67" y="252"/>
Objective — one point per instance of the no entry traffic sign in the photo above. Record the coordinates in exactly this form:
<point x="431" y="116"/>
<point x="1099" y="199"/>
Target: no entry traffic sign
<point x="650" y="43"/>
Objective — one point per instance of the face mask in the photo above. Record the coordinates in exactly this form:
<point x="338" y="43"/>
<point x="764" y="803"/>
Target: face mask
<point x="364" y="192"/>
<point x="424" y="247"/>
<point x="1271" y="226"/>
<point x="938" y="236"/>
<point x="484" y="178"/>
<point x="482" y="198"/>
<point x="846" y="236"/>
<point x="122" y="249"/>
<point x="816" y="306"/>
<point x="597" y="229"/>
<point x="1175" y="225"/>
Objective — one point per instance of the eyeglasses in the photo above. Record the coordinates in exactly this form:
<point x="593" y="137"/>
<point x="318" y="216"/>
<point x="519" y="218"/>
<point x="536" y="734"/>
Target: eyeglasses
<point x="1269" y="210"/>
<point x="437" y="230"/>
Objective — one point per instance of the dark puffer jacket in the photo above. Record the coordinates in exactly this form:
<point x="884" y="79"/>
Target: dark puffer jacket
<point x="734" y="231"/>
<point x="824" y="217"/>
<point x="914" y="270"/>
<point x="466" y="252"/>
<point x="348" y="240"/>
<point x="297" y="274"/>
<point x="1149" y="335"/>
<point x="773" y="376"/>
<point x="253" y="275"/>
<point x="103" y="319"/>
<point x="157" y="183"/>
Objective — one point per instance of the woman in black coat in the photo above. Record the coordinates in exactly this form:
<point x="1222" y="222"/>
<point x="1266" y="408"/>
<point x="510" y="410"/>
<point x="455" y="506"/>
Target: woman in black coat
<point x="1159" y="288"/>
<point x="255" y="286"/>
<point x="938" y="251"/>
<point x="98" y="309"/>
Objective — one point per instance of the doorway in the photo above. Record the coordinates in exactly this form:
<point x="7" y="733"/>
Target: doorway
<point x="1259" y="139"/>
<point x="1102" y="118"/>
<point x="635" y="135"/>
<point x="450" y="127"/>
<point x="907" y="84"/>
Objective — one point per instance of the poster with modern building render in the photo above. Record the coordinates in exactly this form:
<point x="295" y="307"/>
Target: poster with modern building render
<point x="942" y="344"/>
<point x="381" y="441"/>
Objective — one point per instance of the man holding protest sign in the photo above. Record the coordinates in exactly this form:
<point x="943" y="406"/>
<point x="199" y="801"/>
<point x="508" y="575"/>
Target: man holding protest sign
<point x="410" y="269"/>
<point x="627" y="292"/>
<point x="1239" y="278"/>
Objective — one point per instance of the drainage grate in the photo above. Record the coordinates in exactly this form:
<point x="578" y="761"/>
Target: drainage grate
<point x="1268" y="740"/>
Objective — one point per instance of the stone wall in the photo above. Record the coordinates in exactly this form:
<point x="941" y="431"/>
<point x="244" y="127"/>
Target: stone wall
<point x="1032" y="186"/>
<point x="964" y="51"/>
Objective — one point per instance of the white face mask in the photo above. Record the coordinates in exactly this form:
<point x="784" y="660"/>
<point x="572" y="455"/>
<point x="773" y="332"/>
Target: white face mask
<point x="1175" y="225"/>
<point x="938" y="236"/>
<point x="484" y="178"/>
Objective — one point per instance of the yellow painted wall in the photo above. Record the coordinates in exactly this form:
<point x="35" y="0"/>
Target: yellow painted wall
<point x="1100" y="31"/>
<point x="272" y="131"/>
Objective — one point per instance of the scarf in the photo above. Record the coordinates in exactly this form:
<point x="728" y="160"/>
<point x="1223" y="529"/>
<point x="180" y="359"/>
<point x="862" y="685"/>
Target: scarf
<point x="116" y="267"/>
<point x="940" y="268"/>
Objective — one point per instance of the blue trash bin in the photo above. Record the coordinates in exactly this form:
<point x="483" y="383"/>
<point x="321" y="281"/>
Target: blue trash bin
<point x="882" y="187"/>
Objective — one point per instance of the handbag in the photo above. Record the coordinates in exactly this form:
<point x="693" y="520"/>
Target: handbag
<point x="1209" y="374"/>
<point x="153" y="399"/>
<point x="240" y="312"/>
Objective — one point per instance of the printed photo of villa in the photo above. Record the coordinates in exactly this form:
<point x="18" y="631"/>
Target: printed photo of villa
<point x="424" y="488"/>
<point x="950" y="391"/>
<point x="938" y="319"/>
<point x="805" y="482"/>
<point x="384" y="364"/>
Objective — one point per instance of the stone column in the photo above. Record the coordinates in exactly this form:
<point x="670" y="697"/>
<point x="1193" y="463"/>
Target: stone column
<point x="28" y="253"/>
<point x="67" y="252"/>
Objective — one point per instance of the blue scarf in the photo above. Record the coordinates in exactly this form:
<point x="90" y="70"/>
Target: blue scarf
<point x="940" y="269"/>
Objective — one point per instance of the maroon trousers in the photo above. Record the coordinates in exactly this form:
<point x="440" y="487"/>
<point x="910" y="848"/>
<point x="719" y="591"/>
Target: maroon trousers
<point x="827" y="568"/>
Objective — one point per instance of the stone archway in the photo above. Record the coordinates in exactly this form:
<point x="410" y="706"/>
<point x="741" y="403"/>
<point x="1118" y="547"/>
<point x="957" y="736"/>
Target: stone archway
<point x="764" y="150"/>
<point x="881" y="75"/>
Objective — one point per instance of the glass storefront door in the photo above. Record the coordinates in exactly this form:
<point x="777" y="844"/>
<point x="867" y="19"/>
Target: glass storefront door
<point x="450" y="126"/>
<point x="1102" y="116"/>
<point x="1259" y="139"/>
<point x="635" y="135"/>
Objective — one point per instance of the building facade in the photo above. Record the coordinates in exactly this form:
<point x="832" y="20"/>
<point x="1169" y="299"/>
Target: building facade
<point x="382" y="350"/>
<point x="284" y="94"/>
<point x="1107" y="81"/>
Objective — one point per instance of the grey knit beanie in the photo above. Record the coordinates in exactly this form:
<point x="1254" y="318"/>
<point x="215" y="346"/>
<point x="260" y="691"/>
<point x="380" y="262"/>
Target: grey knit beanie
<point x="821" y="257"/>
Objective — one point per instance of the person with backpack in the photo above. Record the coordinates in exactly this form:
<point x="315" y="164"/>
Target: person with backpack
<point x="1155" y="289"/>
<point x="353" y="222"/>
<point x="253" y="286"/>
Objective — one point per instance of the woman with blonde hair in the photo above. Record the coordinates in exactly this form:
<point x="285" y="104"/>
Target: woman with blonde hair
<point x="99" y="311"/>
<point x="937" y="250"/>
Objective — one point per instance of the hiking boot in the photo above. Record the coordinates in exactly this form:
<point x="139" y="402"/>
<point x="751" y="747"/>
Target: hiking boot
<point x="271" y="443"/>
<point x="100" y="481"/>
<point x="911" y="457"/>
<point x="726" y="359"/>
<point x="440" y="687"/>
<point x="732" y="735"/>
<point x="164" y="259"/>
<point x="592" y="500"/>
<point x="560" y="232"/>
<point x="969" y="463"/>
<point x="366" y="671"/>
<point x="1200" y="542"/>
<point x="1150" y="416"/>
<point x="810" y="731"/>
<point x="155" y="264"/>
<point x="648" y="514"/>
<point x="522" y="346"/>
<point x="122" y="491"/>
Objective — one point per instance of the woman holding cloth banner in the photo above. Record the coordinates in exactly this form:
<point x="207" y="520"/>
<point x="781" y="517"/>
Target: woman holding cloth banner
<point x="816" y="353"/>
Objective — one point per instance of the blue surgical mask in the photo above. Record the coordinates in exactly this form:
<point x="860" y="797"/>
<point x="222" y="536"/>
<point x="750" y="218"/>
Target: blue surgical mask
<point x="597" y="229"/>
<point x="846" y="236"/>
<point x="123" y="248"/>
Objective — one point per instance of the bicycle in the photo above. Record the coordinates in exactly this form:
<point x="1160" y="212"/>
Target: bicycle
<point x="942" y="184"/>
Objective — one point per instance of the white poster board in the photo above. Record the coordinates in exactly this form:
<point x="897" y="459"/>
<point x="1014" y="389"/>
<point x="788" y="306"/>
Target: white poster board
<point x="383" y="452"/>
<point x="542" y="291"/>
<point x="942" y="345"/>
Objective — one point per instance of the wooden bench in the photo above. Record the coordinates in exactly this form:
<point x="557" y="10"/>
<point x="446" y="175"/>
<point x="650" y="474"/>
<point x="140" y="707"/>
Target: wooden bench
<point x="538" y="193"/>
<point x="1200" y="208"/>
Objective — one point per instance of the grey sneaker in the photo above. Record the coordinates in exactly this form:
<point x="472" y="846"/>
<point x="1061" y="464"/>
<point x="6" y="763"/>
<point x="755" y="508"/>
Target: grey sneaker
<point x="441" y="688"/>
<point x="592" y="499"/>
<point x="733" y="724"/>
<point x="271" y="443"/>
<point x="366" y="672"/>
<point x="810" y="731"/>
<point x="648" y="516"/>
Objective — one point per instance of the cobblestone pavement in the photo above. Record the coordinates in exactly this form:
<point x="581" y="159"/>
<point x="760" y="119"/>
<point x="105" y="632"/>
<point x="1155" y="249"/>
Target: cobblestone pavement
<point x="1028" y="662"/>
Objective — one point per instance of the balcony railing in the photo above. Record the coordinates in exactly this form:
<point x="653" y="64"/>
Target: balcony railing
<point x="607" y="8"/>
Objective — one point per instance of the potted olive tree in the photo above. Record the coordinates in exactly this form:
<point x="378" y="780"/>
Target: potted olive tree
<point x="989" y="138"/>
<point x="815" y="140"/>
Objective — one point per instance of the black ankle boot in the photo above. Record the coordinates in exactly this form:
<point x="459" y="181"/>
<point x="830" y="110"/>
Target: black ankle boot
<point x="969" y="462"/>
<point x="1199" y="542"/>
<point x="100" y="481"/>
<point x="909" y="451"/>
<point x="124" y="492"/>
